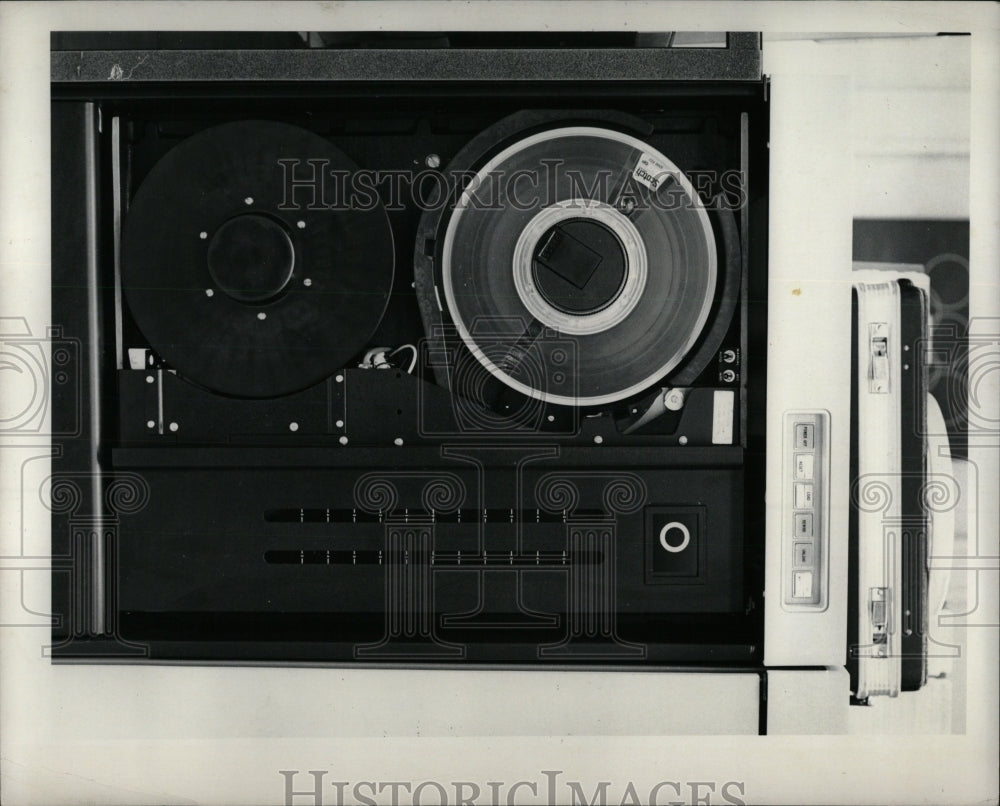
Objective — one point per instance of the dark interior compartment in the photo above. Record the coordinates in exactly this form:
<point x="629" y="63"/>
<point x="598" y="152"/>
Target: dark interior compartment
<point x="236" y="537"/>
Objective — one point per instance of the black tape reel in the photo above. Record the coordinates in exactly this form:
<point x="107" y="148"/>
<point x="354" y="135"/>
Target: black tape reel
<point x="242" y="290"/>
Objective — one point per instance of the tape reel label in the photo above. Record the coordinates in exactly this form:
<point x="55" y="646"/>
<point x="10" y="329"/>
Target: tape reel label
<point x="650" y="171"/>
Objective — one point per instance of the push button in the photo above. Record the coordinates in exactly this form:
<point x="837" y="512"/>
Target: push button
<point x="804" y="554"/>
<point x="802" y="584"/>
<point x="673" y="543"/>
<point x="805" y="436"/>
<point x="803" y="524"/>
<point x="675" y="537"/>
<point x="803" y="496"/>
<point x="804" y="466"/>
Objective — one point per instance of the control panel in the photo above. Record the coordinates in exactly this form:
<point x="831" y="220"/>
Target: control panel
<point x="805" y="509"/>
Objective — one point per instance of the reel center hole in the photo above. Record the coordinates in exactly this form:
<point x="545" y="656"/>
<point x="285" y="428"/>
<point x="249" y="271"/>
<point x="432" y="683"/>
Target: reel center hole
<point x="579" y="266"/>
<point x="251" y="258"/>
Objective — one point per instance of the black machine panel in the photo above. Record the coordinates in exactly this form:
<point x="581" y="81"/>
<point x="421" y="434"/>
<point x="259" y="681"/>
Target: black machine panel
<point x="452" y="372"/>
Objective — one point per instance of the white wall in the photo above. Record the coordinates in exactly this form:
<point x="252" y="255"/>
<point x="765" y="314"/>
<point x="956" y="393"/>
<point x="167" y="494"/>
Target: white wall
<point x="909" y="111"/>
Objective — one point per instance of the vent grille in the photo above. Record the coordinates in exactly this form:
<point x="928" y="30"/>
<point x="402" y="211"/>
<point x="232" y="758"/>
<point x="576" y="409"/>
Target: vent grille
<point x="456" y="559"/>
<point x="343" y="515"/>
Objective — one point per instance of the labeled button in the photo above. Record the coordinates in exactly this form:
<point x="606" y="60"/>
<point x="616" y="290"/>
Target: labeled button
<point x="802" y="584"/>
<point x="803" y="553"/>
<point x="803" y="524"/>
<point x="803" y="466"/>
<point x="805" y="436"/>
<point x="803" y="496"/>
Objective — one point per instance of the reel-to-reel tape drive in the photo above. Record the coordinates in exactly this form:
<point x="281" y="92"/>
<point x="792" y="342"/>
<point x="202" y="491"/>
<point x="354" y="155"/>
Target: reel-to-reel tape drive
<point x="462" y="371"/>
